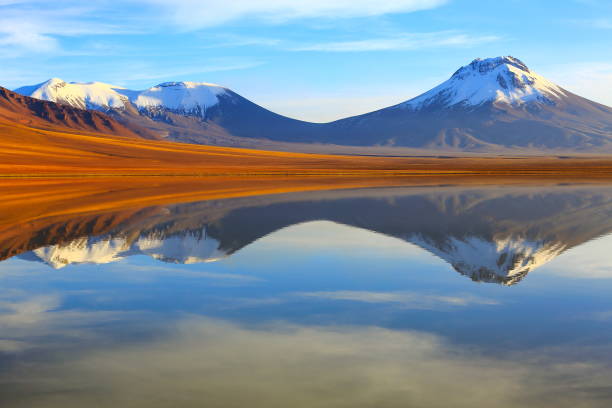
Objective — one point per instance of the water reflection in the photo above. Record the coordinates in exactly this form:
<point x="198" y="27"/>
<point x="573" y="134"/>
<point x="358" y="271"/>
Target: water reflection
<point x="320" y="299"/>
<point x="488" y="234"/>
<point x="227" y="365"/>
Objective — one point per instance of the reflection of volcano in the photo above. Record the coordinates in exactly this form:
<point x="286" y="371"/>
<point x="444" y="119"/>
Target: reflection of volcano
<point x="489" y="234"/>
<point x="505" y="261"/>
<point x="186" y="248"/>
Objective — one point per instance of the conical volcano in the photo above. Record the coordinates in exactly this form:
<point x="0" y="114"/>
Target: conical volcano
<point x="490" y="104"/>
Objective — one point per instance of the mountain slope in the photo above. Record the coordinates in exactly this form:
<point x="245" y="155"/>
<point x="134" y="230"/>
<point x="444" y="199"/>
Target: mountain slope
<point x="496" y="103"/>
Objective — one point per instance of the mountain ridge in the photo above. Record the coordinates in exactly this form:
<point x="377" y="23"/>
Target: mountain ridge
<point x="190" y="112"/>
<point x="488" y="105"/>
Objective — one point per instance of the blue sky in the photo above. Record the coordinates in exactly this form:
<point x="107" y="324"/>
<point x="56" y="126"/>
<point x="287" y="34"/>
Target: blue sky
<point x="316" y="60"/>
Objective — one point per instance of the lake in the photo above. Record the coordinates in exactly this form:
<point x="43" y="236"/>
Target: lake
<point x="438" y="296"/>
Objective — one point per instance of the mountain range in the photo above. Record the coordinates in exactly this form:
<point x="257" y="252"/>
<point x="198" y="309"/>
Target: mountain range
<point x="490" y="105"/>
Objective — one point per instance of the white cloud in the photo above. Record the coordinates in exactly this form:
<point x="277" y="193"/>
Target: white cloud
<point x="28" y="27"/>
<point x="25" y="36"/>
<point x="193" y="14"/>
<point x="34" y="27"/>
<point x="146" y="73"/>
<point x="404" y="42"/>
<point x="30" y="41"/>
<point x="597" y="23"/>
<point x="601" y="23"/>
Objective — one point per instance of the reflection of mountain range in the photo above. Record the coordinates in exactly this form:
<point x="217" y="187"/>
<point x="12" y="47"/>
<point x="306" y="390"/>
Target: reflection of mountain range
<point x="489" y="234"/>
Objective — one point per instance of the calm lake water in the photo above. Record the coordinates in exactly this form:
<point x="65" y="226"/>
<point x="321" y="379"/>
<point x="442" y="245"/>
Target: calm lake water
<point x="387" y="297"/>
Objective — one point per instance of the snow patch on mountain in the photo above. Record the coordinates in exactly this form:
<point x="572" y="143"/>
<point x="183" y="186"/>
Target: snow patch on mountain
<point x="501" y="80"/>
<point x="175" y="96"/>
<point x="180" y="249"/>
<point x="81" y="251"/>
<point x="91" y="95"/>
<point x="179" y="96"/>
<point x="504" y="261"/>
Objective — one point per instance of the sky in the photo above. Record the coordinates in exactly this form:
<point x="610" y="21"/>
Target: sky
<point x="315" y="60"/>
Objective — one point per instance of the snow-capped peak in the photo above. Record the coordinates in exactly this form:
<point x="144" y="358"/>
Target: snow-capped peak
<point x="91" y="95"/>
<point x="185" y="96"/>
<point x="179" y="96"/>
<point x="499" y="80"/>
<point x="55" y="82"/>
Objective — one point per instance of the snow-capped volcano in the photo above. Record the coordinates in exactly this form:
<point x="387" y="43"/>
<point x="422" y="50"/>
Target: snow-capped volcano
<point x="501" y="79"/>
<point x="190" y="112"/>
<point x="489" y="105"/>
<point x="177" y="96"/>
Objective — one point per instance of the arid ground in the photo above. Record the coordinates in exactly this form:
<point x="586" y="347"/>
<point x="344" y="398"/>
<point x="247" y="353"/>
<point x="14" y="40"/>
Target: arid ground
<point x="27" y="152"/>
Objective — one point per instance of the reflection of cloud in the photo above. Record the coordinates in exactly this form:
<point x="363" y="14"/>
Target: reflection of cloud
<point x="11" y="346"/>
<point x="151" y="272"/>
<point x="286" y="365"/>
<point x="26" y="312"/>
<point x="25" y="320"/>
<point x="604" y="315"/>
<point x="407" y="299"/>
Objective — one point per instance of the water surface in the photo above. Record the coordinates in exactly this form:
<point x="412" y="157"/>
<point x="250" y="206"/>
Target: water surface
<point x="388" y="297"/>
